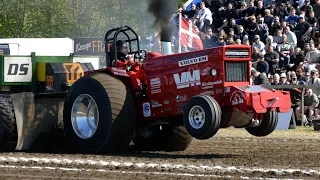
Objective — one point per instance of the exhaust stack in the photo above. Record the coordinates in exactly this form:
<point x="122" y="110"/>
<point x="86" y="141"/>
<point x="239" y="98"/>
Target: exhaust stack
<point x="166" y="47"/>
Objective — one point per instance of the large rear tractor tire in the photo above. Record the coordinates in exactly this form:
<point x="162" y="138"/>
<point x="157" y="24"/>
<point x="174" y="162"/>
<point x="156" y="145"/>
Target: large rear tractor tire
<point x="169" y="138"/>
<point x="8" y="127"/>
<point x="99" y="115"/>
<point x="267" y="126"/>
<point x="202" y="117"/>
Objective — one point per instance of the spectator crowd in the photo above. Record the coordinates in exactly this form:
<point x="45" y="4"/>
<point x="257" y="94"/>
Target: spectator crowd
<point x="284" y="39"/>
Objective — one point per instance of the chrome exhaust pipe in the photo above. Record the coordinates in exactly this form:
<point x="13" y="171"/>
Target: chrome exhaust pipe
<point x="166" y="47"/>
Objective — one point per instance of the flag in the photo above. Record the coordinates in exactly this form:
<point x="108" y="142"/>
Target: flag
<point x="188" y="36"/>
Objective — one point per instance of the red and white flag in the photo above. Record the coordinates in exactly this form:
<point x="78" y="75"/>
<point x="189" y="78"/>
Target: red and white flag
<point x="188" y="35"/>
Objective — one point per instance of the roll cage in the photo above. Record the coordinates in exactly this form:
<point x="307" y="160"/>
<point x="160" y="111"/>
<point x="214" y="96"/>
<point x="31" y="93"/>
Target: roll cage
<point x="111" y="38"/>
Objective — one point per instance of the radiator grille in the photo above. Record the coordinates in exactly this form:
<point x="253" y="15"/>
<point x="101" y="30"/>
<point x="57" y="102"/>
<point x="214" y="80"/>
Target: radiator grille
<point x="236" y="71"/>
<point x="237" y="53"/>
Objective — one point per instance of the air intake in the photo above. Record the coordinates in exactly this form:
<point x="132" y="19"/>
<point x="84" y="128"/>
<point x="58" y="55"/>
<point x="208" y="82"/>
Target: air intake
<point x="237" y="53"/>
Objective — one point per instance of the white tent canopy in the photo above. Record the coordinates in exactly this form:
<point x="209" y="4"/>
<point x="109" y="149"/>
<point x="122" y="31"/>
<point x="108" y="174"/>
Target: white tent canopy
<point x="41" y="46"/>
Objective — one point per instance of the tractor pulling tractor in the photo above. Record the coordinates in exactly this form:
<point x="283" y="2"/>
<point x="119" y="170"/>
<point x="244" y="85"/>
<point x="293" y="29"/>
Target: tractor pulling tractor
<point x="158" y="102"/>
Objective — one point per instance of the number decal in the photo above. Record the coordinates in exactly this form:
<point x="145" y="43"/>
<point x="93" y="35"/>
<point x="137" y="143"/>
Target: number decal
<point x="73" y="71"/>
<point x="49" y="81"/>
<point x="17" y="69"/>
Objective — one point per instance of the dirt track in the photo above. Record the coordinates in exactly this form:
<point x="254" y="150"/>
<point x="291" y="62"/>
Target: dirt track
<point x="272" y="157"/>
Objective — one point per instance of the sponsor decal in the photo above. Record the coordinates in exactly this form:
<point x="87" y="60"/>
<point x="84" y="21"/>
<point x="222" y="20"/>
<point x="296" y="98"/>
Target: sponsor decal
<point x="192" y="61"/>
<point x="219" y="91"/>
<point x="180" y="107"/>
<point x="206" y="71"/>
<point x="166" y="102"/>
<point x="155" y="91"/>
<point x="167" y="109"/>
<point x="187" y="79"/>
<point x="190" y="55"/>
<point x="155" y="84"/>
<point x="209" y="93"/>
<point x="155" y="104"/>
<point x="17" y="69"/>
<point x="237" y="97"/>
<point x="181" y="98"/>
<point x="146" y="109"/>
<point x="209" y="85"/>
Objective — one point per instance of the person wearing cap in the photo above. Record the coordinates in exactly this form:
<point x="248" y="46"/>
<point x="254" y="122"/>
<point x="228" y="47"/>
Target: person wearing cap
<point x="259" y="78"/>
<point x="306" y="8"/>
<point x="315" y="81"/>
<point x="283" y="79"/>
<point x="259" y="44"/>
<point x="303" y="31"/>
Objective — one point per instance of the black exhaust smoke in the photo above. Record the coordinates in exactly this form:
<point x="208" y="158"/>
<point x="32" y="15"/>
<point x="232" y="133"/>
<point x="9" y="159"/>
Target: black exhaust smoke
<point x="163" y="10"/>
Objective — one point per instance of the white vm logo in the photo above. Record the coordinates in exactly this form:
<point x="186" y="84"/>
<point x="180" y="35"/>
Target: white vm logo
<point x="187" y="79"/>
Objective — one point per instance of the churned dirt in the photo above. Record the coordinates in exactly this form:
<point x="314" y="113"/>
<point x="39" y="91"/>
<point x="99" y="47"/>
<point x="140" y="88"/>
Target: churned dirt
<point x="293" y="149"/>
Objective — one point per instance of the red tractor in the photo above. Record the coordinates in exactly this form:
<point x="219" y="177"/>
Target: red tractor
<point x="162" y="102"/>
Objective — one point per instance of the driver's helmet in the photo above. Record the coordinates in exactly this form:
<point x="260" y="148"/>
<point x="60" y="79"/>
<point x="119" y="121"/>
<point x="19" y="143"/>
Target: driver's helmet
<point x="122" y="50"/>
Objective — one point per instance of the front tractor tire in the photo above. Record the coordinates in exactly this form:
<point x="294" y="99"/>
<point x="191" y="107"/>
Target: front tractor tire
<point x="99" y="115"/>
<point x="202" y="117"/>
<point x="268" y="124"/>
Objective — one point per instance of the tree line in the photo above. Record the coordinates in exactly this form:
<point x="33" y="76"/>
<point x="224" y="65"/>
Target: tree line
<point x="71" y="18"/>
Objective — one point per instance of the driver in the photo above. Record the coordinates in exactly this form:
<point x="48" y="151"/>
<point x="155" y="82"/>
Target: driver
<point x="123" y="59"/>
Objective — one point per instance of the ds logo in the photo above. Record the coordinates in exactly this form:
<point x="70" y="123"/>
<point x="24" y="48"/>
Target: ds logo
<point x="146" y="109"/>
<point x="18" y="69"/>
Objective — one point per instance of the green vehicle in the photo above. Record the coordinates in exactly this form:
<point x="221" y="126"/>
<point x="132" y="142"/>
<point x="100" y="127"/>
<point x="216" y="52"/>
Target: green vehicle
<point x="32" y="94"/>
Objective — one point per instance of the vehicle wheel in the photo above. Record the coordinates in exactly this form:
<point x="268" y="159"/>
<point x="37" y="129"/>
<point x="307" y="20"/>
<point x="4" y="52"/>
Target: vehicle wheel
<point x="267" y="126"/>
<point x="202" y="117"/>
<point x="99" y="115"/>
<point x="8" y="128"/>
<point x="170" y="138"/>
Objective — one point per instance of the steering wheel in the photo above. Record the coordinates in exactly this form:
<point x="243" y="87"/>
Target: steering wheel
<point x="141" y="55"/>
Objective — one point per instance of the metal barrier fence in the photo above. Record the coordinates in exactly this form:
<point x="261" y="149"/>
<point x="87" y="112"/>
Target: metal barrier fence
<point x="301" y="87"/>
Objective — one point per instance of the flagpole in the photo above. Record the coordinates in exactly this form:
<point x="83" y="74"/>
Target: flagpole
<point x="179" y="34"/>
